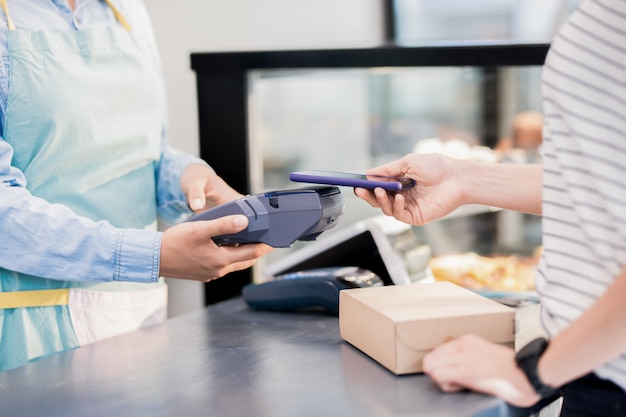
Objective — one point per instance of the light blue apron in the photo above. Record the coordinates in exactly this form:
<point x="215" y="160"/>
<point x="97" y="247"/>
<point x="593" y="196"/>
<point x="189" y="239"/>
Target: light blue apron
<point x="85" y="114"/>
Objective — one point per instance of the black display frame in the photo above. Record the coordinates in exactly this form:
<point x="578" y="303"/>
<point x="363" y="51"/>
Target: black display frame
<point x="222" y="98"/>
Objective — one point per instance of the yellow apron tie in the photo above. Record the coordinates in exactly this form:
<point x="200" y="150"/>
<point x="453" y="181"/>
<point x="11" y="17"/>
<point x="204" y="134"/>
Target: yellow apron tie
<point x="5" y="9"/>
<point x="118" y="16"/>
<point x="36" y="298"/>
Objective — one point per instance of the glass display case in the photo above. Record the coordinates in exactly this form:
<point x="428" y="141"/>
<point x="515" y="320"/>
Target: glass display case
<point x="265" y="114"/>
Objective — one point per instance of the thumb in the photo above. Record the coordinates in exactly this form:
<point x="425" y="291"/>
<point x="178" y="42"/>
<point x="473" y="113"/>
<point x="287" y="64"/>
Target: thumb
<point x="196" y="197"/>
<point x="225" y="225"/>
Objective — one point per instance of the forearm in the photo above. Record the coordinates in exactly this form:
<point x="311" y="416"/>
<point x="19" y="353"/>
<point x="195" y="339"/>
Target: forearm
<point x="592" y="340"/>
<point x="506" y="186"/>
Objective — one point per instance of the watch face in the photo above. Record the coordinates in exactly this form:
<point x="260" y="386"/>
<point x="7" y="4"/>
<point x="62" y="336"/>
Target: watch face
<point x="533" y="349"/>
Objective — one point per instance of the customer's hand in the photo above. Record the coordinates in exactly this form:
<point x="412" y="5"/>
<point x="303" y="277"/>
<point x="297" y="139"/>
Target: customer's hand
<point x="471" y="362"/>
<point x="188" y="252"/>
<point x="204" y="188"/>
<point x="437" y="191"/>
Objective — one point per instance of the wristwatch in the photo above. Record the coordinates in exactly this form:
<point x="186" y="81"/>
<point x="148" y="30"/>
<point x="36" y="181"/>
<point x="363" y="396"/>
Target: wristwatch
<point x="527" y="359"/>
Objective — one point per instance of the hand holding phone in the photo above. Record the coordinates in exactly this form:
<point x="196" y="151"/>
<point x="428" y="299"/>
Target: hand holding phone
<point x="352" y="180"/>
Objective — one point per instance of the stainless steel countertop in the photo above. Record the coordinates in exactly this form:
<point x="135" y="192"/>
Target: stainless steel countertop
<point x="227" y="360"/>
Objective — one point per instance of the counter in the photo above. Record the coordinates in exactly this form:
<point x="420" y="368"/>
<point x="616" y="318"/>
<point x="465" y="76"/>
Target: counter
<point x="227" y="360"/>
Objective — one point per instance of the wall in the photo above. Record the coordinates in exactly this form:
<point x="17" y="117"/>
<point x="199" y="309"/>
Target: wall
<point x="187" y="26"/>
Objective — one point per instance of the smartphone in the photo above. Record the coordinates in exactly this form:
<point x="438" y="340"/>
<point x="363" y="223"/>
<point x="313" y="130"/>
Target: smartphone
<point x="352" y="180"/>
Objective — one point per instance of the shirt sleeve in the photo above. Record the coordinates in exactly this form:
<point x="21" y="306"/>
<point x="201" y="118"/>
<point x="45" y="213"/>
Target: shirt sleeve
<point x="50" y="241"/>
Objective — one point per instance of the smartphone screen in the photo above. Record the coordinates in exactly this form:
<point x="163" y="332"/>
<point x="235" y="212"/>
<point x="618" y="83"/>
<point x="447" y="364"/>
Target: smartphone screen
<point x="352" y="180"/>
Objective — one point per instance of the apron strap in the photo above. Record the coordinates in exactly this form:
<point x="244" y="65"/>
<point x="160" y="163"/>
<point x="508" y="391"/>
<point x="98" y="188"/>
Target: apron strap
<point x="5" y="9"/>
<point x="118" y="16"/>
<point x="35" y="298"/>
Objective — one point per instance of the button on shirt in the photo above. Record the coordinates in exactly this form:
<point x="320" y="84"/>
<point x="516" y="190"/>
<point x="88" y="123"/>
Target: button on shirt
<point x="31" y="216"/>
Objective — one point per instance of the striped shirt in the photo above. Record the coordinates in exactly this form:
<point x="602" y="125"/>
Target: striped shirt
<point x="584" y="194"/>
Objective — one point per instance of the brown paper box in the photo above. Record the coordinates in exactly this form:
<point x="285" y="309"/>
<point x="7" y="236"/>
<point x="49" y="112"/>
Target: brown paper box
<point x="397" y="325"/>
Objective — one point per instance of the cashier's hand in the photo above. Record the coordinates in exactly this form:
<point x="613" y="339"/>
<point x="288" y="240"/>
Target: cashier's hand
<point x="188" y="252"/>
<point x="204" y="188"/>
<point x="471" y="362"/>
<point x="437" y="191"/>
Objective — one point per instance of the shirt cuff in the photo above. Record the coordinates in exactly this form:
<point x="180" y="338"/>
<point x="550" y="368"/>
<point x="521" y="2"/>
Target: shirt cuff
<point x="137" y="255"/>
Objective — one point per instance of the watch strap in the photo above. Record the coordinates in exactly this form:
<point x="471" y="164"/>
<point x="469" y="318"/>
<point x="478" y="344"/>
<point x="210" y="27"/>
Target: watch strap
<point x="528" y="359"/>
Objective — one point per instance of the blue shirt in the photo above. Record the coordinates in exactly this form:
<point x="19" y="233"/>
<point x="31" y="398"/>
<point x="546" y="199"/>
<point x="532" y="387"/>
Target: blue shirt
<point x="27" y="223"/>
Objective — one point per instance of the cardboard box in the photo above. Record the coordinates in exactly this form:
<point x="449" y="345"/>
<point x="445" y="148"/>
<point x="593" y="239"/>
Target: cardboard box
<point x="397" y="325"/>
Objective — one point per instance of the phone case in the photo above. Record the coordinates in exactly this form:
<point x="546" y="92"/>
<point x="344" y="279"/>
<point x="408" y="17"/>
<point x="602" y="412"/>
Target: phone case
<point x="359" y="180"/>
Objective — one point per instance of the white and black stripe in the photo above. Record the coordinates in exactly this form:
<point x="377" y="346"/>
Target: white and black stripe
<point x="584" y="194"/>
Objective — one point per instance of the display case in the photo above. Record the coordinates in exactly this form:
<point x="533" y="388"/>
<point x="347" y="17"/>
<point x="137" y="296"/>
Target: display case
<point x="264" y="114"/>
